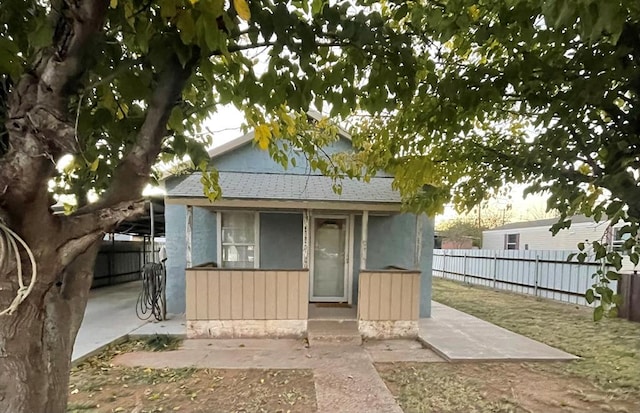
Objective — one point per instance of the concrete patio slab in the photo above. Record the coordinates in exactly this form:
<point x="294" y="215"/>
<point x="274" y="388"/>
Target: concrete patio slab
<point x="174" y="325"/>
<point x="458" y="336"/>
<point x="225" y="354"/>
<point x="398" y="351"/>
<point x="110" y="315"/>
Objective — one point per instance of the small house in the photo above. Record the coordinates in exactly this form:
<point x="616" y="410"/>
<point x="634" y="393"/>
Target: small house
<point x="281" y="247"/>
<point x="536" y="235"/>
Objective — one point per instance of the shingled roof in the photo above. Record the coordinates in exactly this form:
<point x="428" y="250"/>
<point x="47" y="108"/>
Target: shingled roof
<point x="262" y="186"/>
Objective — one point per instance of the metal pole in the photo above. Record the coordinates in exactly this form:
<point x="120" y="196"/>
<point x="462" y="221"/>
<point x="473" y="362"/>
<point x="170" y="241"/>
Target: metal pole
<point x="112" y="238"/>
<point x="495" y="269"/>
<point x="464" y="268"/>
<point x="444" y="263"/>
<point x="153" y="231"/>
<point x="535" y="282"/>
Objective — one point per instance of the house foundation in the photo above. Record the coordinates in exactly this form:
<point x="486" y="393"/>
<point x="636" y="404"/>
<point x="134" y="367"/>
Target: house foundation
<point x="246" y="328"/>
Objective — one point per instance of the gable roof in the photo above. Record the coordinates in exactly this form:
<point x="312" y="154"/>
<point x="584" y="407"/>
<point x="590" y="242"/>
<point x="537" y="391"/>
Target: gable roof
<point x="277" y="186"/>
<point x="248" y="137"/>
<point x="576" y="219"/>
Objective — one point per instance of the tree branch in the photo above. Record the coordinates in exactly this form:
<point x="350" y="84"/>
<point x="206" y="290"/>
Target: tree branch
<point x="38" y="128"/>
<point x="132" y="174"/>
<point x="83" y="230"/>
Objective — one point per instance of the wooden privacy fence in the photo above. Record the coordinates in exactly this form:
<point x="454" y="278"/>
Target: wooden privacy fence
<point x="545" y="274"/>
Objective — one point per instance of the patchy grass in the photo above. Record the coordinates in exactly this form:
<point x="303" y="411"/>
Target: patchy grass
<point x="99" y="386"/>
<point x="610" y="349"/>
<point x="606" y="379"/>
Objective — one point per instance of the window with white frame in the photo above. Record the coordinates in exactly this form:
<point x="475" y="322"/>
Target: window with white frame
<point x="511" y="241"/>
<point x="238" y="237"/>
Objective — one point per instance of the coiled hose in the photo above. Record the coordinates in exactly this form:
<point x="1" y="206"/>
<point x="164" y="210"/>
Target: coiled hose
<point x="150" y="299"/>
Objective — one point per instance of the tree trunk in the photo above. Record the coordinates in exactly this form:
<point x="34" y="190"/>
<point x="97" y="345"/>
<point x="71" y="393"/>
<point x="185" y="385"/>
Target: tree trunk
<point x="36" y="341"/>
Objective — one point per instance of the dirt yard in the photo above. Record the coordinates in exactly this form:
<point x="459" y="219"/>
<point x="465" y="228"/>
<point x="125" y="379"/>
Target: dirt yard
<point x="99" y="386"/>
<point x="606" y="379"/>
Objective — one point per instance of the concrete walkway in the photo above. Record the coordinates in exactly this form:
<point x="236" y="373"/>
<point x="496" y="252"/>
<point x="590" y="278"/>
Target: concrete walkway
<point x="110" y="316"/>
<point x="458" y="336"/>
<point x="344" y="375"/>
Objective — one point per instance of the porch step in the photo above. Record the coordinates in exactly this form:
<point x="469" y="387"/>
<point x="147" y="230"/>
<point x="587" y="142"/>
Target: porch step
<point x="333" y="331"/>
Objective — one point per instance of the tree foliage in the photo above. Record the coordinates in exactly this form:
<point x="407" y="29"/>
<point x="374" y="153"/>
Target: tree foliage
<point x="471" y="225"/>
<point x="119" y="85"/>
<point x="544" y="93"/>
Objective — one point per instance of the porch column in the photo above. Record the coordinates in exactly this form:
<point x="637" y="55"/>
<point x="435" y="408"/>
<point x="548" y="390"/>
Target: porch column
<point x="363" y="240"/>
<point x="305" y="239"/>
<point x="418" y="252"/>
<point x="188" y="233"/>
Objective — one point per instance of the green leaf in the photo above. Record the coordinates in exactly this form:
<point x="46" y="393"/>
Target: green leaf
<point x="186" y="26"/>
<point x="598" y="313"/>
<point x="589" y="296"/>
<point x="613" y="276"/>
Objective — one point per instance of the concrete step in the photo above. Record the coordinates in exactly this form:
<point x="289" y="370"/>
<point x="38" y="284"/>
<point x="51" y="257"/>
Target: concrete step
<point x="333" y="331"/>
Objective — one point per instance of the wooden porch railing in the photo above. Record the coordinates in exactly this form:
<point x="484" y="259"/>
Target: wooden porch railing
<point x="389" y="295"/>
<point x="247" y="294"/>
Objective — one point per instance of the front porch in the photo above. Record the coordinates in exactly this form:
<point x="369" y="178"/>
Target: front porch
<point x="235" y="303"/>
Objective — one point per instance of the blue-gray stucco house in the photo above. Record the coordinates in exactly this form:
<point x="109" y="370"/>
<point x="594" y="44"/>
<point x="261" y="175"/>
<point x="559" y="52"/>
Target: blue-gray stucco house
<point x="253" y="262"/>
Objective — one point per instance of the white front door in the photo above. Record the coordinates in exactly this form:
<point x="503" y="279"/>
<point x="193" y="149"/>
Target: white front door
<point x="329" y="259"/>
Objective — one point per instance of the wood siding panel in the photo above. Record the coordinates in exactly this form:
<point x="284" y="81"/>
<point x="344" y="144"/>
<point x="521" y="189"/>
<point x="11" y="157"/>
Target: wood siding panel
<point x="247" y="296"/>
<point x="293" y="285"/>
<point x="191" y="289"/>
<point x="374" y="296"/>
<point x="389" y="295"/>
<point x="364" y="298"/>
<point x="415" y="299"/>
<point x="213" y="295"/>
<point x="236" y="295"/>
<point x="201" y="296"/>
<point x="219" y="294"/>
<point x="281" y="295"/>
<point x="303" y="296"/>
<point x="406" y="312"/>
<point x="225" y="295"/>
<point x="270" y="293"/>
<point x="259" y="293"/>
<point x="396" y="298"/>
<point x="385" y="297"/>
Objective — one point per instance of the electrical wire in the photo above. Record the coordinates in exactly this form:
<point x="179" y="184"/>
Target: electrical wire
<point x="149" y="302"/>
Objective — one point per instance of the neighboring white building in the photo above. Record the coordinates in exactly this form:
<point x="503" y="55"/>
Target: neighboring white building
<point x="536" y="235"/>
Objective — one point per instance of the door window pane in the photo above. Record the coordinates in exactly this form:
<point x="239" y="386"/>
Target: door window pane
<point x="329" y="258"/>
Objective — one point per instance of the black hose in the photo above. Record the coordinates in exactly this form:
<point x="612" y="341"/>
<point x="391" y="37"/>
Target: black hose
<point x="150" y="299"/>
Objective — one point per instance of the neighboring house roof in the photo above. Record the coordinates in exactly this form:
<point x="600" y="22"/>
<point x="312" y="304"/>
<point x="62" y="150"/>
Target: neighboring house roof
<point x="269" y="186"/>
<point x="577" y="219"/>
<point x="248" y="137"/>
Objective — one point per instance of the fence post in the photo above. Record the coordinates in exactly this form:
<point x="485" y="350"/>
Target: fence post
<point x="495" y="268"/>
<point x="535" y="280"/>
<point x="444" y="264"/>
<point x="464" y="268"/>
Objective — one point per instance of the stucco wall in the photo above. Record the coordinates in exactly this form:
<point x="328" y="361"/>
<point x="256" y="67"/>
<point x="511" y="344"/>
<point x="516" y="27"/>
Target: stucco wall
<point x="426" y="265"/>
<point x="280" y="240"/>
<point x="250" y="158"/>
<point x="176" y="241"/>
<point x="391" y="241"/>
